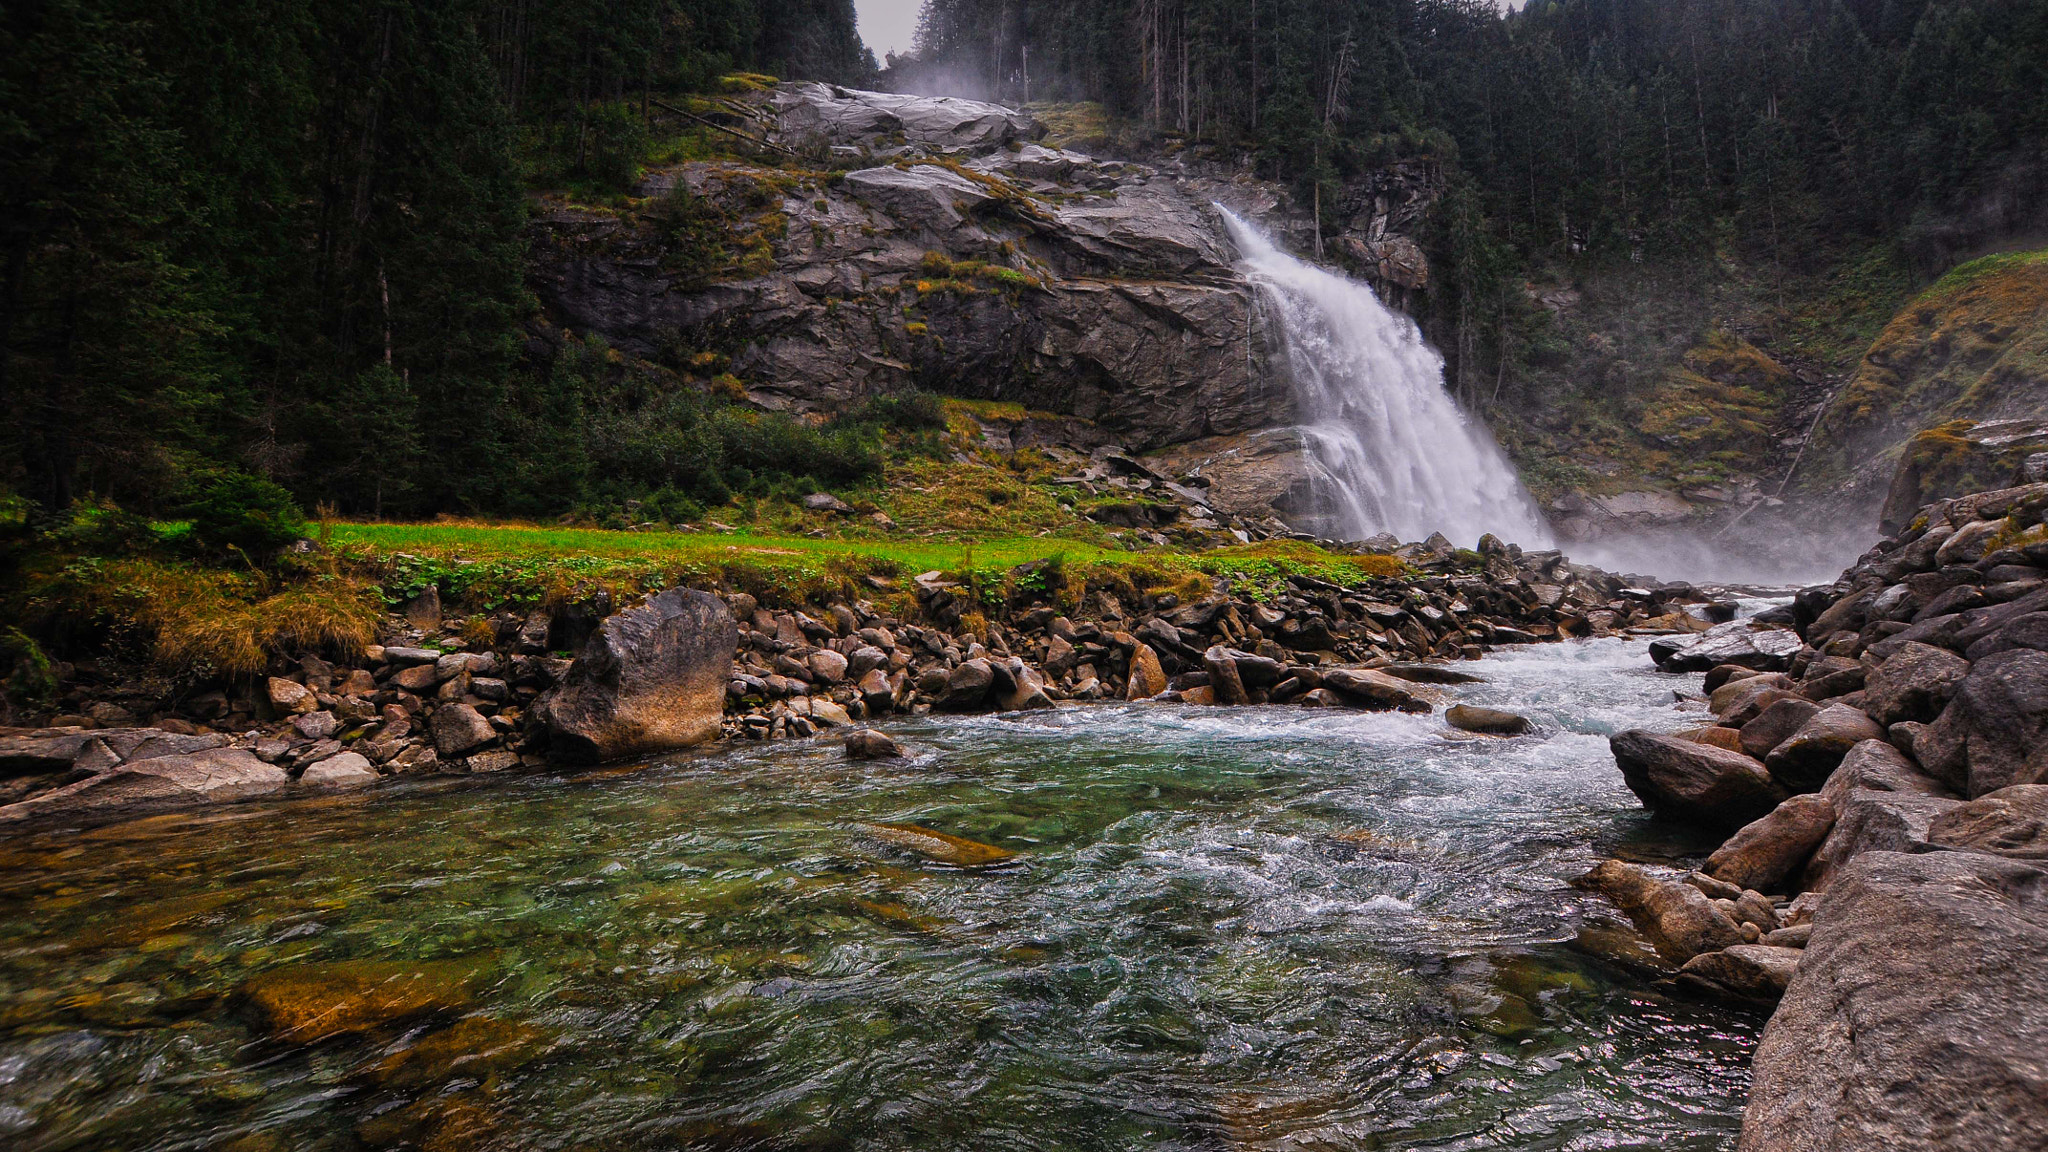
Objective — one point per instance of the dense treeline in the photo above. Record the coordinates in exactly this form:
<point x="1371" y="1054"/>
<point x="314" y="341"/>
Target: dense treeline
<point x="1637" y="130"/>
<point x="283" y="237"/>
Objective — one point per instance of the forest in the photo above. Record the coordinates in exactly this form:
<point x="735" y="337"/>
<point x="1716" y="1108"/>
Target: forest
<point x="278" y="245"/>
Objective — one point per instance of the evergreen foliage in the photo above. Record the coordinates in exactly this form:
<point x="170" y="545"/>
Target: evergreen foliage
<point x="284" y="238"/>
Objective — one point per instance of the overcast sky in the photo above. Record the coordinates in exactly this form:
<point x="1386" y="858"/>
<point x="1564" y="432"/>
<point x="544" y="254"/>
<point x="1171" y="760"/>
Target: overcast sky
<point x="888" y="25"/>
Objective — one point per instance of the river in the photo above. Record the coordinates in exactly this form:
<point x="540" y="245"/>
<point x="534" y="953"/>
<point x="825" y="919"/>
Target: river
<point x="1253" y="928"/>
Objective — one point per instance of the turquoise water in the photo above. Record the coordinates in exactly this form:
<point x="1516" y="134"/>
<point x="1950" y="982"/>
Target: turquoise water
<point x="1259" y="928"/>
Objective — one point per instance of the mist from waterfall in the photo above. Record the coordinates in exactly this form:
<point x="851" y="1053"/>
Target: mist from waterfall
<point x="1394" y="452"/>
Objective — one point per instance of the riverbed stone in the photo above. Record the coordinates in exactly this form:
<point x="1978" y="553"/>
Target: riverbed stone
<point x="1746" y="973"/>
<point x="1488" y="721"/>
<point x="1774" y="725"/>
<point x="1803" y="762"/>
<point x="1148" y="676"/>
<point x="1360" y="688"/>
<point x="309" y="1002"/>
<point x="967" y="686"/>
<point x="1765" y="852"/>
<point x="288" y="697"/>
<point x="459" y="729"/>
<point x="1736" y="642"/>
<point x="1224" y="680"/>
<point x="2009" y="822"/>
<point x="1915" y="683"/>
<point x="1695" y="782"/>
<point x="648" y="680"/>
<point x="1678" y="919"/>
<point x="1918" y="1015"/>
<point x="1994" y="732"/>
<point x="342" y="770"/>
<point x="868" y="744"/>
<point x="1879" y="766"/>
<point x="206" y="775"/>
<point x="1870" y="821"/>
<point x="1715" y="735"/>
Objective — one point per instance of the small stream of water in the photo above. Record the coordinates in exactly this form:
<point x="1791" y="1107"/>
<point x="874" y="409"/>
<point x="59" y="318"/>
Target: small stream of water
<point x="1254" y="928"/>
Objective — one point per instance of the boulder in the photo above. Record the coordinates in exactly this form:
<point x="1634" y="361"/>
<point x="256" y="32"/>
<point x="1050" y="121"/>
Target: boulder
<point x="1018" y="688"/>
<point x="1739" y="642"/>
<point x="342" y="770"/>
<point x="1715" y="735"/>
<point x="1810" y="755"/>
<point x="1748" y="696"/>
<point x="201" y="776"/>
<point x="1915" y="683"/>
<point x="1765" y="852"/>
<point x="920" y="196"/>
<point x="1365" y="689"/>
<point x="1775" y="724"/>
<point x="868" y="744"/>
<point x="1867" y="821"/>
<point x="826" y="502"/>
<point x="1918" y="1015"/>
<point x="1148" y="678"/>
<point x="967" y="686"/>
<point x="1994" y="733"/>
<point x="459" y="729"/>
<point x="1879" y="767"/>
<point x="648" y="680"/>
<point x="2009" y="822"/>
<point x="826" y="667"/>
<point x="1224" y="680"/>
<point x="1431" y="674"/>
<point x="1695" y="782"/>
<point x="1488" y="721"/>
<point x="1746" y="973"/>
<point x="288" y="697"/>
<point x="1678" y="919"/>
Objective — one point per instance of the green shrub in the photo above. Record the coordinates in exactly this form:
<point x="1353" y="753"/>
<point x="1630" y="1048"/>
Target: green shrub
<point x="234" y="510"/>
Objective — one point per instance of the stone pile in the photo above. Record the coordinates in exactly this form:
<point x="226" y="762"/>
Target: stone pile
<point x="1885" y="776"/>
<point x="1315" y="643"/>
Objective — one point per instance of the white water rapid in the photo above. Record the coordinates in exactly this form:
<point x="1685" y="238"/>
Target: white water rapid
<point x="1395" y="452"/>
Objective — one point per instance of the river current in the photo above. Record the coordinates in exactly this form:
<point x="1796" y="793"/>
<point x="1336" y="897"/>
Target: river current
<point x="1263" y="928"/>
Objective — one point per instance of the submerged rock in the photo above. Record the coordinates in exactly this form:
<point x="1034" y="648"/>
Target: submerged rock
<point x="943" y="847"/>
<point x="649" y="680"/>
<point x="311" y="1002"/>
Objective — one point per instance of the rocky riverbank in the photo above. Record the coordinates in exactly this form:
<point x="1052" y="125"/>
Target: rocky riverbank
<point x="1881" y="757"/>
<point x="587" y="682"/>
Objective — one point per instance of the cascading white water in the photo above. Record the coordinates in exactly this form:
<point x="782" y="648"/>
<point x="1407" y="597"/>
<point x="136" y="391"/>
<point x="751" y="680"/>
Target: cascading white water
<point x="1395" y="451"/>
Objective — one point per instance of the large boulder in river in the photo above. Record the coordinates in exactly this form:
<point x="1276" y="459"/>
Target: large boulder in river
<point x="649" y="680"/>
<point x="1754" y="974"/>
<point x="1765" y="852"/>
<point x="1918" y="1016"/>
<point x="1738" y="642"/>
<point x="1994" y="733"/>
<point x="1695" y="782"/>
<point x="1362" y="688"/>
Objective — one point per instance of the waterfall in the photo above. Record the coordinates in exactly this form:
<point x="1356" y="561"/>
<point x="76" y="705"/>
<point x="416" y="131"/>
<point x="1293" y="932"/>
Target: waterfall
<point x="1393" y="451"/>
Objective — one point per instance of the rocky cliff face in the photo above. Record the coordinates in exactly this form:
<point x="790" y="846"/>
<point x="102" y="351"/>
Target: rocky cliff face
<point x="938" y="244"/>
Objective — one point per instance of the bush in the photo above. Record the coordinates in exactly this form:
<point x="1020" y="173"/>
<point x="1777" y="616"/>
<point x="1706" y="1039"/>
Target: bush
<point x="911" y="411"/>
<point x="234" y="510"/>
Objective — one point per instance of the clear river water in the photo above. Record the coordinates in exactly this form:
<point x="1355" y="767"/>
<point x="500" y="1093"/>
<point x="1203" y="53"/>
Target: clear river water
<point x="1262" y="928"/>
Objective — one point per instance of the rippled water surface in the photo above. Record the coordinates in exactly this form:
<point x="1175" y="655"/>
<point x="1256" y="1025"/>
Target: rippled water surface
<point x="1262" y="928"/>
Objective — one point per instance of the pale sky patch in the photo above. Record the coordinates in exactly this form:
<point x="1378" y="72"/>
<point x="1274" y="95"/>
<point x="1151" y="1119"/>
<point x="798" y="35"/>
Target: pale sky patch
<point x="888" y="25"/>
